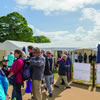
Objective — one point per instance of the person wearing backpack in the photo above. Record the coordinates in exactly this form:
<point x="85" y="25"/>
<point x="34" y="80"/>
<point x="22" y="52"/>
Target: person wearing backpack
<point x="38" y="64"/>
<point x="16" y="75"/>
<point x="30" y="51"/>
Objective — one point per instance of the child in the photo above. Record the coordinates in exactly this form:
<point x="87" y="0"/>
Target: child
<point x="4" y="67"/>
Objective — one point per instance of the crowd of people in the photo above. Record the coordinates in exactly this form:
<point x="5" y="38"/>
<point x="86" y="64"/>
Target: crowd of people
<point x="79" y="58"/>
<point x="42" y="70"/>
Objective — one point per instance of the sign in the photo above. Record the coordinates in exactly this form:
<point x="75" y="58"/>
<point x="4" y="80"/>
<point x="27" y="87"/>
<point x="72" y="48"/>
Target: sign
<point x="98" y="73"/>
<point x="82" y="71"/>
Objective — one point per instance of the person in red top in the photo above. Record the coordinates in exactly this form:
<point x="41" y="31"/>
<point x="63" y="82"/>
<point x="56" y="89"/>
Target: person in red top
<point x="17" y="69"/>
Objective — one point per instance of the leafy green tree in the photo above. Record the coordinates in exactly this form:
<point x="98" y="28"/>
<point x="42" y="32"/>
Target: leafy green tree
<point x="14" y="27"/>
<point x="41" y="39"/>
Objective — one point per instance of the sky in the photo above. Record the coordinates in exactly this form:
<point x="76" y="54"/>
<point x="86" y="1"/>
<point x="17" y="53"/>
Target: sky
<point x="64" y="22"/>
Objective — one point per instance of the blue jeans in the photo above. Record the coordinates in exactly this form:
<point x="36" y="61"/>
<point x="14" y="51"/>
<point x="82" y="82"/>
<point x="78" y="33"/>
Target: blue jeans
<point x="16" y="93"/>
<point x="68" y="74"/>
<point x="49" y="81"/>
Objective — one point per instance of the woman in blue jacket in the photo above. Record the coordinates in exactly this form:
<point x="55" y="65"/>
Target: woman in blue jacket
<point x="3" y="85"/>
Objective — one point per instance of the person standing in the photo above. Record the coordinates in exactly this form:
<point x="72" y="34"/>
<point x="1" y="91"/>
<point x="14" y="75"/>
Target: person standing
<point x="38" y="64"/>
<point x="17" y="69"/>
<point x="43" y="53"/>
<point x="85" y="58"/>
<point x="11" y="59"/>
<point x="4" y="66"/>
<point x="76" y="57"/>
<point x="94" y="58"/>
<point x="90" y="58"/>
<point x="30" y="50"/>
<point x="68" y="65"/>
<point x="48" y="72"/>
<point x="3" y="85"/>
<point x="80" y="58"/>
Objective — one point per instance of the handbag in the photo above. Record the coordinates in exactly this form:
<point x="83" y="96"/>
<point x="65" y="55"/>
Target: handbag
<point x="12" y="80"/>
<point x="28" y="87"/>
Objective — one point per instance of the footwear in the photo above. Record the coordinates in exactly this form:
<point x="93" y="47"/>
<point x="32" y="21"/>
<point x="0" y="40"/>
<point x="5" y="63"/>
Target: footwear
<point x="56" y="86"/>
<point x="32" y="97"/>
<point x="68" y="87"/>
<point x="45" y="88"/>
<point x="50" y="95"/>
<point x="62" y="83"/>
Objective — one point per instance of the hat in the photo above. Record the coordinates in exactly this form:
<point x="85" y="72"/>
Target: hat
<point x="5" y="59"/>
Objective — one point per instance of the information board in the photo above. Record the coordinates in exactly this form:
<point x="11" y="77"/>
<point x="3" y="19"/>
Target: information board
<point x="82" y="71"/>
<point x="98" y="73"/>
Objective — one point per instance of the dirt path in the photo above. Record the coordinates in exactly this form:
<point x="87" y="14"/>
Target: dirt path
<point x="77" y="92"/>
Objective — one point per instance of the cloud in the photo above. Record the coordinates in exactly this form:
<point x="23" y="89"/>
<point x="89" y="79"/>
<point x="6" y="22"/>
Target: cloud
<point x="72" y="39"/>
<point x="91" y="14"/>
<point x="80" y="30"/>
<point x="53" y="36"/>
<point x="81" y="36"/>
<point x="59" y="35"/>
<point x="49" y="6"/>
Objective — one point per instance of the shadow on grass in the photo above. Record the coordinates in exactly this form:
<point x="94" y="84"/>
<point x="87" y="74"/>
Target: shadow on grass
<point x="79" y="85"/>
<point x="56" y="93"/>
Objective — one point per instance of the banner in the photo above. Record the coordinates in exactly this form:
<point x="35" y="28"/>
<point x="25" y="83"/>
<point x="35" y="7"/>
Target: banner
<point x="82" y="71"/>
<point x="98" y="73"/>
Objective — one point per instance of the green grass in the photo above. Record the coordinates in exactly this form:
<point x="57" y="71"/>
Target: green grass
<point x="56" y="75"/>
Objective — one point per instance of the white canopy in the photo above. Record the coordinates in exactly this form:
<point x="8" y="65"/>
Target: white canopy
<point x="10" y="45"/>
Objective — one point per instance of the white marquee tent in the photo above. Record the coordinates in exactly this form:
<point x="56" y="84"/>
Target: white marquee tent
<point x="10" y="45"/>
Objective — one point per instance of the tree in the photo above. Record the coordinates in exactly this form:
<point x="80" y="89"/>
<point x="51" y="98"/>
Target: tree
<point x="14" y="27"/>
<point x="41" y="39"/>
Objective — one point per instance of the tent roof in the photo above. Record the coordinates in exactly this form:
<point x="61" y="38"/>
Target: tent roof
<point x="54" y="46"/>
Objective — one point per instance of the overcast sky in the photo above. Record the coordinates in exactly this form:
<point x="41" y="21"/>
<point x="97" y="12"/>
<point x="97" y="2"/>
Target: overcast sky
<point x="62" y="21"/>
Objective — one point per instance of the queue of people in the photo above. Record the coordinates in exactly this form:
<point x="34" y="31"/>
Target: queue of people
<point x="79" y="58"/>
<point x="42" y="68"/>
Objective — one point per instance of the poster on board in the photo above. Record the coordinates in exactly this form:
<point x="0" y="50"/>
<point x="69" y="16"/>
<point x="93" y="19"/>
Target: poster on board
<point x="82" y="71"/>
<point x="98" y="73"/>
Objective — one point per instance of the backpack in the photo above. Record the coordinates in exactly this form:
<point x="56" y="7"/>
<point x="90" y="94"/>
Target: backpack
<point x="26" y="71"/>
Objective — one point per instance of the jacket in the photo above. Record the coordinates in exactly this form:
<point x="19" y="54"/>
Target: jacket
<point x="62" y="68"/>
<point x="3" y="85"/>
<point x="49" y="66"/>
<point x="17" y="68"/>
<point x="11" y="59"/>
<point x="37" y="67"/>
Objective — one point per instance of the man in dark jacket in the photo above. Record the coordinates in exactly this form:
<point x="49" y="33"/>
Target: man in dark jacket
<point x="38" y="64"/>
<point x="48" y="73"/>
<point x="80" y="58"/>
<point x="90" y="58"/>
<point x="85" y="58"/>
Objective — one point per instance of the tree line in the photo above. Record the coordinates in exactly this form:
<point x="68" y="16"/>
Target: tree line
<point x="15" y="27"/>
